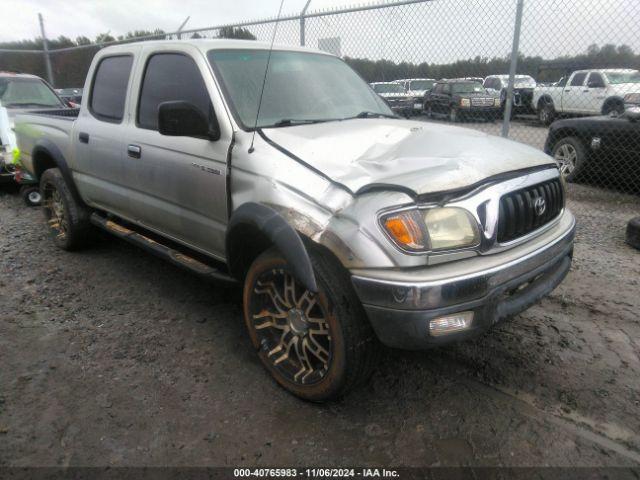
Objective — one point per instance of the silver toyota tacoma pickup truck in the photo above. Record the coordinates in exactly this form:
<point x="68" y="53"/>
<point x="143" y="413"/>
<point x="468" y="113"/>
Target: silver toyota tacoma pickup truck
<point x="345" y="224"/>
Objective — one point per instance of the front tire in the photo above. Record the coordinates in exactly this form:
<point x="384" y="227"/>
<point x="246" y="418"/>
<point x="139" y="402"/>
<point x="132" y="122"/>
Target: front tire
<point x="68" y="221"/>
<point x="428" y="109"/>
<point x="317" y="346"/>
<point x="571" y="156"/>
<point x="454" y="115"/>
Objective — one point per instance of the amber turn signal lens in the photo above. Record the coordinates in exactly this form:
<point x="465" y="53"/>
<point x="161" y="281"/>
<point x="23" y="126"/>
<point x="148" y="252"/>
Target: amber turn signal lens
<point x="405" y="230"/>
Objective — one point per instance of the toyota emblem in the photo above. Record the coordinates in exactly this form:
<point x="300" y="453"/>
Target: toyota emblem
<point x="539" y="205"/>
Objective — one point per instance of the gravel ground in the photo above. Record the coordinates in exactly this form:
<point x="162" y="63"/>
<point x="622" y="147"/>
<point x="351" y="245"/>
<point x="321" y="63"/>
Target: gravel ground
<point x="111" y="356"/>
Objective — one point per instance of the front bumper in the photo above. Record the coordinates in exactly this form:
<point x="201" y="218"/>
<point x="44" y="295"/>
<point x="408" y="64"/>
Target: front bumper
<point x="480" y="110"/>
<point x="400" y="309"/>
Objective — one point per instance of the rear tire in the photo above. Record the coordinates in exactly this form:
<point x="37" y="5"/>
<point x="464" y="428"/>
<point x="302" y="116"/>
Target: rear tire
<point x="571" y="156"/>
<point x="68" y="221"/>
<point x="317" y="346"/>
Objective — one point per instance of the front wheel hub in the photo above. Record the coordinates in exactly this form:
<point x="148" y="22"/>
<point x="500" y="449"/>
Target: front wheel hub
<point x="291" y="326"/>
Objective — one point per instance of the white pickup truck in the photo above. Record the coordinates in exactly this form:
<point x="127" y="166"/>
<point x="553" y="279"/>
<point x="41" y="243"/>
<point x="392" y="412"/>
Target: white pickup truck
<point x="586" y="92"/>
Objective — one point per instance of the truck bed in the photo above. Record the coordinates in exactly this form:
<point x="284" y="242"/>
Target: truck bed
<point x="53" y="125"/>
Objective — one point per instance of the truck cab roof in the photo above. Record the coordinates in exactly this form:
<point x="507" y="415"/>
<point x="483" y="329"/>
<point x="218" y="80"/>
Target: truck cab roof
<point x="206" y="44"/>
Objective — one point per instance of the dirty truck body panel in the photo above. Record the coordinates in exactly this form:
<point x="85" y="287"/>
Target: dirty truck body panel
<point x="335" y="183"/>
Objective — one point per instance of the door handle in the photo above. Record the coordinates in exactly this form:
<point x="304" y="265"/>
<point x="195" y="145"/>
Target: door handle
<point x="134" y="151"/>
<point x="83" y="137"/>
<point x="585" y="91"/>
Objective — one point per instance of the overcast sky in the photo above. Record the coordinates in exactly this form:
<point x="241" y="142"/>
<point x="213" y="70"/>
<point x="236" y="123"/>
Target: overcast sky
<point x="73" y="18"/>
<point x="437" y="31"/>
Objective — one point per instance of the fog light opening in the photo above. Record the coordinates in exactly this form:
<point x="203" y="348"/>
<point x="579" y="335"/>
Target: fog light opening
<point x="455" y="322"/>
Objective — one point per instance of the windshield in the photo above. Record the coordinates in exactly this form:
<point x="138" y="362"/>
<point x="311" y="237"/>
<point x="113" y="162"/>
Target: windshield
<point x="388" y="88"/>
<point x="623" y="77"/>
<point x="421" y="84"/>
<point x="300" y="87"/>
<point x="523" y="80"/>
<point x="27" y="92"/>
<point x="467" y="88"/>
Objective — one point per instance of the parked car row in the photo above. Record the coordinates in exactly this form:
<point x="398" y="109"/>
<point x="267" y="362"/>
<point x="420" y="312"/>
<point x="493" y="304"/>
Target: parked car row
<point x="583" y="93"/>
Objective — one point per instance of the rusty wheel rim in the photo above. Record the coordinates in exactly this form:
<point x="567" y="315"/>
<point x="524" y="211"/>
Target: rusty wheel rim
<point x="291" y="326"/>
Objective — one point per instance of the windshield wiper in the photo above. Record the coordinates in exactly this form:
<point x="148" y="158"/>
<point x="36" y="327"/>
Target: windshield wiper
<point x="368" y="114"/>
<point x="287" y="122"/>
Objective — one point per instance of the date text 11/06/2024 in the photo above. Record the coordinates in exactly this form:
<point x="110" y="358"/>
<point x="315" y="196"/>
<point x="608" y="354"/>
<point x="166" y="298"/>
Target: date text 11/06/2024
<point x="315" y="473"/>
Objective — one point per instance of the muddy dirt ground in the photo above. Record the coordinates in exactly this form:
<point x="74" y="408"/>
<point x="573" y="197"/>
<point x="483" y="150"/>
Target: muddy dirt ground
<point x="112" y="357"/>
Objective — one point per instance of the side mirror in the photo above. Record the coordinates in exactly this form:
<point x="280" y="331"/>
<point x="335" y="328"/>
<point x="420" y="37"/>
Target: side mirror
<point x="183" y="119"/>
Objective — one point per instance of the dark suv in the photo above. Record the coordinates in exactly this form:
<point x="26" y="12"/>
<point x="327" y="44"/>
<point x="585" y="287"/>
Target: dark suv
<point x="461" y="98"/>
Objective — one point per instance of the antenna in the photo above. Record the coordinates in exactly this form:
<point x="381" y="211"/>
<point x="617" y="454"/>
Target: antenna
<point x="264" y="80"/>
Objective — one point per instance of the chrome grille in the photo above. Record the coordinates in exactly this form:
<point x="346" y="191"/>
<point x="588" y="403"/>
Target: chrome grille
<point x="524" y="211"/>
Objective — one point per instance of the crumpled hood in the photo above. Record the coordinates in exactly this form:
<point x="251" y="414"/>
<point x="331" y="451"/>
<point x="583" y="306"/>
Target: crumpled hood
<point x="424" y="157"/>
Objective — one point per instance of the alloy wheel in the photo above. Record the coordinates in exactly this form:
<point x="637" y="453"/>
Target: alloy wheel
<point x="566" y="156"/>
<point x="291" y="327"/>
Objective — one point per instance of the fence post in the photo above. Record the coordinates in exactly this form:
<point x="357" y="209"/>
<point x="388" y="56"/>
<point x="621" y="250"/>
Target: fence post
<point x="506" y="121"/>
<point x="302" y="22"/>
<point x="47" y="58"/>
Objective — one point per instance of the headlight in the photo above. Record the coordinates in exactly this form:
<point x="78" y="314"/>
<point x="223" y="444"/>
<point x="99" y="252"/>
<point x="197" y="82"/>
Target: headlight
<point x="496" y="102"/>
<point x="433" y="229"/>
<point x="465" y="102"/>
<point x="450" y="228"/>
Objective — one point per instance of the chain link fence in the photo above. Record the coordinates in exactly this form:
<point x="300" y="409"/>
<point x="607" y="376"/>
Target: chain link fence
<point x="450" y="60"/>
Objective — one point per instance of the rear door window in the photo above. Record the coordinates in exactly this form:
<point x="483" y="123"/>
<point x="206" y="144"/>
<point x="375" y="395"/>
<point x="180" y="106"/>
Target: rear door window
<point x="171" y="77"/>
<point x="109" y="90"/>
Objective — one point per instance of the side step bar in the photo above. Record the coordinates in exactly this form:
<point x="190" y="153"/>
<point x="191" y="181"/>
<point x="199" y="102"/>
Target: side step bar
<point x="172" y="255"/>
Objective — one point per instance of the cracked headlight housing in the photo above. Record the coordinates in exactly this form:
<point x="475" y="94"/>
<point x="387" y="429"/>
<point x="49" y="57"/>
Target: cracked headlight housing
<point x="432" y="229"/>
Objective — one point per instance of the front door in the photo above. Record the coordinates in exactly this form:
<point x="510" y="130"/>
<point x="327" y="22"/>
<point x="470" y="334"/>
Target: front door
<point x="180" y="182"/>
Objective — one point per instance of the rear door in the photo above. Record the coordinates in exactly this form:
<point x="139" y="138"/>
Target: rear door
<point x="179" y="182"/>
<point x="573" y="98"/>
<point x="99" y="168"/>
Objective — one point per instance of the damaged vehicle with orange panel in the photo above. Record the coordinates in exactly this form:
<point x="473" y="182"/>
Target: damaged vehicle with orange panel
<point x="346" y="225"/>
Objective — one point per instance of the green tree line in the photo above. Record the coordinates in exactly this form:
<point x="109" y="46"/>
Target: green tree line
<point x="543" y="70"/>
<point x="70" y="68"/>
